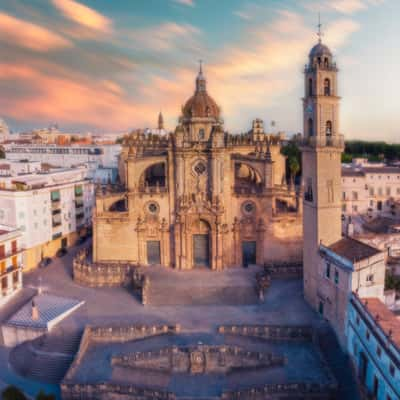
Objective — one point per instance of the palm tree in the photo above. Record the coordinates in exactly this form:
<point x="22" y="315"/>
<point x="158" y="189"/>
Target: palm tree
<point x="294" y="168"/>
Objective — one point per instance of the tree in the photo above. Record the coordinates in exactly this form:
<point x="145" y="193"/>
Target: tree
<point x="294" y="167"/>
<point x="12" y="393"/>
<point x="43" y="396"/>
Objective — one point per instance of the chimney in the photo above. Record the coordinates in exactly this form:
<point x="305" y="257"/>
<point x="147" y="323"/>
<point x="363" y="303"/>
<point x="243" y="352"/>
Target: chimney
<point x="35" y="311"/>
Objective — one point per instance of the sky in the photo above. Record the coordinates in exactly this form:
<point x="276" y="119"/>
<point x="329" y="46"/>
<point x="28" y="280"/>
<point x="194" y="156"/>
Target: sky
<point x="111" y="66"/>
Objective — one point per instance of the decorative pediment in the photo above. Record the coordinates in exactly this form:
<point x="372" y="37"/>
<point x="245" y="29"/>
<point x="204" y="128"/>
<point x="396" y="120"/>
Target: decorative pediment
<point x="201" y="359"/>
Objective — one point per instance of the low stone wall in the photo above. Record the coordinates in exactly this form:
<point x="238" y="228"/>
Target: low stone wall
<point x="270" y="332"/>
<point x="106" y="391"/>
<point x="130" y="332"/>
<point x="102" y="275"/>
<point x="14" y="335"/>
<point x="70" y="390"/>
<point x="284" y="269"/>
<point x="285" y="390"/>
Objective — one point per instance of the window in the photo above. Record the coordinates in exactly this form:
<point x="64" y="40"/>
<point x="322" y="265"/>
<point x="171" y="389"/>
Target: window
<point x="388" y="191"/>
<point x="310" y="128"/>
<point x="375" y="387"/>
<point x="370" y="277"/>
<point x="308" y="194"/>
<point x="21" y="214"/>
<point x="367" y="335"/>
<point x="328" y="129"/>
<point x="344" y="208"/>
<point x="355" y="195"/>
<point x="55" y="195"/>
<point x="398" y="191"/>
<point x="380" y="192"/>
<point x="35" y="225"/>
<point x="327" y="87"/>
<point x="343" y="195"/>
<point x="378" y="351"/>
<point x="371" y="191"/>
<point x="371" y="203"/>
<point x="392" y="369"/>
<point x="328" y="270"/>
<point x="310" y="91"/>
<point x="201" y="134"/>
<point x="336" y="277"/>
<point x="355" y="208"/>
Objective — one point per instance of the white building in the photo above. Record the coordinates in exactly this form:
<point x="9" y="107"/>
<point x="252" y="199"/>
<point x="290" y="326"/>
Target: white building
<point x="13" y="168"/>
<point x="11" y="262"/>
<point x="368" y="189"/>
<point x="50" y="209"/>
<point x="65" y="156"/>
<point x="373" y="334"/>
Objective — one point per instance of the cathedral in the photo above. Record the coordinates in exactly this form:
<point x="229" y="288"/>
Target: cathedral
<point x="199" y="196"/>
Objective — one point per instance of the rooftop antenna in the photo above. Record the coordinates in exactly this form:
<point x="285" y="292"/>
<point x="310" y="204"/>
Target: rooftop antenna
<point x="319" y="33"/>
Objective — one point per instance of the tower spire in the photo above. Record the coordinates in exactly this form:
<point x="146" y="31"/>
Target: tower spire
<point x="319" y="33"/>
<point x="200" y="80"/>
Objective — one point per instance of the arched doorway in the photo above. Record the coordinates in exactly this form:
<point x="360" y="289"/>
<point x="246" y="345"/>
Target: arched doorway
<point x="201" y="242"/>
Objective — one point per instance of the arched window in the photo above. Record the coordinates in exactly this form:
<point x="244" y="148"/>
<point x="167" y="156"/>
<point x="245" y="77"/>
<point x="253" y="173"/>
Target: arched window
<point x="310" y="127"/>
<point x="327" y="87"/>
<point x="326" y="62"/>
<point x="310" y="91"/>
<point x="201" y="134"/>
<point x="328" y="128"/>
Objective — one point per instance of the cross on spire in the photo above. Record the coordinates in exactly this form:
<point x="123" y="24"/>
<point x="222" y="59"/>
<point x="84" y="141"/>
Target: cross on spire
<point x="200" y="69"/>
<point x="319" y="33"/>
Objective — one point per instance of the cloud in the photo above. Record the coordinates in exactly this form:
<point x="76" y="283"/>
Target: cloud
<point x="341" y="6"/>
<point x="83" y="15"/>
<point x="28" y="35"/>
<point x="189" y="3"/>
<point x="165" y="37"/>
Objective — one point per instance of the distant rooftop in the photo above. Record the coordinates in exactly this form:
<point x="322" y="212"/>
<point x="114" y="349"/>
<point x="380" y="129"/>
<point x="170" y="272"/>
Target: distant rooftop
<point x="353" y="250"/>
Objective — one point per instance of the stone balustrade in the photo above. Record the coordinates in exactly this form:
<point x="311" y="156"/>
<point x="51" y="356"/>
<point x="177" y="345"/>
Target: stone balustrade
<point x="270" y="332"/>
<point x="279" y="269"/>
<point x="301" y="390"/>
<point x="105" y="390"/>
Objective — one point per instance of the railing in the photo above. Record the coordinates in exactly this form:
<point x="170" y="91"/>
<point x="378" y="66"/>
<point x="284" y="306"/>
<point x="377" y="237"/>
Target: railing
<point x="12" y="253"/>
<point x="153" y="189"/>
<point x="322" y="66"/>
<point x="323" y="141"/>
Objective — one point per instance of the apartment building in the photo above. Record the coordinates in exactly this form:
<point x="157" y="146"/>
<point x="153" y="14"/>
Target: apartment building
<point x="368" y="189"/>
<point x="11" y="262"/>
<point x="50" y="209"/>
<point x="374" y="347"/>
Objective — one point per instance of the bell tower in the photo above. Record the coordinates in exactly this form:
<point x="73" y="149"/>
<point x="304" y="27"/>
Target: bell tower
<point x="322" y="146"/>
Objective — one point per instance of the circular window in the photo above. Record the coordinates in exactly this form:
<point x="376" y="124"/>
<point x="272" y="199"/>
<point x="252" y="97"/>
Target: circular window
<point x="248" y="207"/>
<point x="200" y="168"/>
<point x="152" y="208"/>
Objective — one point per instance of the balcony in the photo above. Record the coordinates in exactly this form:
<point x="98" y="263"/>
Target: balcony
<point x="10" y="281"/>
<point x="78" y="203"/>
<point x="336" y="141"/>
<point x="13" y="253"/>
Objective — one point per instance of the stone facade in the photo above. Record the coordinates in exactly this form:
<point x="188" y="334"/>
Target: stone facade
<point x="199" y="196"/>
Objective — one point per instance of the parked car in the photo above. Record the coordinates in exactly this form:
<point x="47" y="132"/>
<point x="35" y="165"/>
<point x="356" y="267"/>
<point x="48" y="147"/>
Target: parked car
<point x="45" y="262"/>
<point x="61" y="252"/>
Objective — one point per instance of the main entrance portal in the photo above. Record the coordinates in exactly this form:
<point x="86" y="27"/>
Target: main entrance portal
<point x="201" y="252"/>
<point x="249" y="253"/>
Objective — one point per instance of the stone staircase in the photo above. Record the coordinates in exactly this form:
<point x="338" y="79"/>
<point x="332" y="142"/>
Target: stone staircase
<point x="339" y="364"/>
<point x="47" y="358"/>
<point x="159" y="294"/>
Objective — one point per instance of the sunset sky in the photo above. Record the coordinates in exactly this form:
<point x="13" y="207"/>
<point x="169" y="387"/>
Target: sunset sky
<point x="112" y="65"/>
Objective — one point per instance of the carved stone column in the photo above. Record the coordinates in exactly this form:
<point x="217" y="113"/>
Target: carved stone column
<point x="165" y="248"/>
<point x="237" y="246"/>
<point x="141" y="241"/>
<point x="260" y="242"/>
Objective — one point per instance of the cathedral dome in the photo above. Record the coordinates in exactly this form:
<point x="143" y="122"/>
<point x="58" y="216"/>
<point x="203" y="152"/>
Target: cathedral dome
<point x="320" y="50"/>
<point x="201" y="104"/>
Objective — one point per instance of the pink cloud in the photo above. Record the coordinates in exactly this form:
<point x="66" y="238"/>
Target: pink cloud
<point x="25" y="34"/>
<point x="83" y="15"/>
